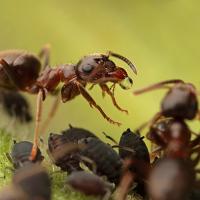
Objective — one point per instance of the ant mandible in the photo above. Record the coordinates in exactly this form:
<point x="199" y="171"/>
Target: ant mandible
<point x="21" y="71"/>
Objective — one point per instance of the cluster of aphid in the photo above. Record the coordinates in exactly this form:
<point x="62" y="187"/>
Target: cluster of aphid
<point x="94" y="167"/>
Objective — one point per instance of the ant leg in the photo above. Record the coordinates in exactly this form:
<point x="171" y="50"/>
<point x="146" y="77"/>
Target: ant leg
<point x="37" y="123"/>
<point x="45" y="54"/>
<point x="195" y="142"/>
<point x="51" y="114"/>
<point x="126" y="181"/>
<point x="105" y="89"/>
<point x="149" y="123"/>
<point x="92" y="102"/>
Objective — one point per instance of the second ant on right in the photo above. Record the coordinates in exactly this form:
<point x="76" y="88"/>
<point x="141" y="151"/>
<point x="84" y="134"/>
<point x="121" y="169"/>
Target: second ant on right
<point x="167" y="128"/>
<point x="179" y="154"/>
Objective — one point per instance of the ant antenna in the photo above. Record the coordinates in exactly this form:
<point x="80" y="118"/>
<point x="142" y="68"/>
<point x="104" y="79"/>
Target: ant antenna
<point x="126" y="60"/>
<point x="157" y="86"/>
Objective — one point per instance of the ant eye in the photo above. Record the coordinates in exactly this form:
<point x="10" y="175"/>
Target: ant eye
<point x="87" y="68"/>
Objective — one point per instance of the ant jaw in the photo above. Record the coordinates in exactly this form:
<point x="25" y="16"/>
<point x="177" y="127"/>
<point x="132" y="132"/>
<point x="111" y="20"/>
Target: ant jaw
<point x="126" y="83"/>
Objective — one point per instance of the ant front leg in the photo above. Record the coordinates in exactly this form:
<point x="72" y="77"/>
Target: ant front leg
<point x="40" y="98"/>
<point x="106" y="89"/>
<point x="92" y="102"/>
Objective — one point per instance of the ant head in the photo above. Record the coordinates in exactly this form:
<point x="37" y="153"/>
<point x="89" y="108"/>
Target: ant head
<point x="98" y="68"/>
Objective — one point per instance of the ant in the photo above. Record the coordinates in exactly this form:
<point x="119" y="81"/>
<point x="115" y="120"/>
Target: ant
<point x="172" y="179"/>
<point x="21" y="71"/>
<point x="179" y="102"/>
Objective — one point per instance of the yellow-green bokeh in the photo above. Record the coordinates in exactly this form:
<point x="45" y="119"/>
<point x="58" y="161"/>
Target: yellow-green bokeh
<point x="160" y="36"/>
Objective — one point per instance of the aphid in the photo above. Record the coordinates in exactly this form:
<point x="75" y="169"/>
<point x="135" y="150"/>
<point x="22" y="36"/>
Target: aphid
<point x="108" y="162"/>
<point x="68" y="159"/>
<point x="89" y="184"/>
<point x="140" y="159"/>
<point x="135" y="142"/>
<point x="21" y="71"/>
<point x="15" y="105"/>
<point x="34" y="181"/>
<point x="20" y="154"/>
<point x="179" y="102"/>
<point x="171" y="179"/>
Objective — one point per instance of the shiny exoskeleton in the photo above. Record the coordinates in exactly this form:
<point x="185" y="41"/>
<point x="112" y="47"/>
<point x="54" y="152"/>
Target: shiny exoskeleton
<point x="67" y="161"/>
<point x="140" y="157"/>
<point x="34" y="181"/>
<point x="15" y="105"/>
<point x="179" y="102"/>
<point x="172" y="136"/>
<point x="108" y="162"/>
<point x="20" y="70"/>
<point x="20" y="154"/>
<point x="171" y="179"/>
<point x="89" y="184"/>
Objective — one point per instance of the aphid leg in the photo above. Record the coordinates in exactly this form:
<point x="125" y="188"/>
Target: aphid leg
<point x="9" y="157"/>
<point x="51" y="114"/>
<point x="40" y="98"/>
<point x="91" y="162"/>
<point x="92" y="103"/>
<point x="157" y="86"/>
<point x="124" y="148"/>
<point x="107" y="195"/>
<point x="105" y="89"/>
<point x="110" y="138"/>
<point x="45" y="54"/>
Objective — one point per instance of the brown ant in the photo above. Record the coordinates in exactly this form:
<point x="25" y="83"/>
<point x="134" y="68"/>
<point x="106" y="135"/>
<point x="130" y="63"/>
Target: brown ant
<point x="179" y="102"/>
<point x="21" y="71"/>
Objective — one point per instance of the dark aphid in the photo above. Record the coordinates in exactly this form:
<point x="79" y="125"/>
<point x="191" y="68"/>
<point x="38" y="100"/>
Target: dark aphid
<point x="74" y="134"/>
<point x="34" y="180"/>
<point x="179" y="102"/>
<point x="15" y="105"/>
<point x="20" y="154"/>
<point x="108" y="162"/>
<point x="140" y="157"/>
<point x="171" y="179"/>
<point x="89" y="184"/>
<point x="68" y="161"/>
<point x="12" y="193"/>
<point x="135" y="142"/>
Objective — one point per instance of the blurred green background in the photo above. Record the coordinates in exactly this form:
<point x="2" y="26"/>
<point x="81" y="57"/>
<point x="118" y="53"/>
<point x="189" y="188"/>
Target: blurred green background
<point x="160" y="36"/>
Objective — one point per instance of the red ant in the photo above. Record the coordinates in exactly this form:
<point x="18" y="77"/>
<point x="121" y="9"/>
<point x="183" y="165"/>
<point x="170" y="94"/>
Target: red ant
<point x="22" y="71"/>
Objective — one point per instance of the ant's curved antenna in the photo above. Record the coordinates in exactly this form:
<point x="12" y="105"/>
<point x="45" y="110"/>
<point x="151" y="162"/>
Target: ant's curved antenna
<point x="157" y="86"/>
<point x="126" y="60"/>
